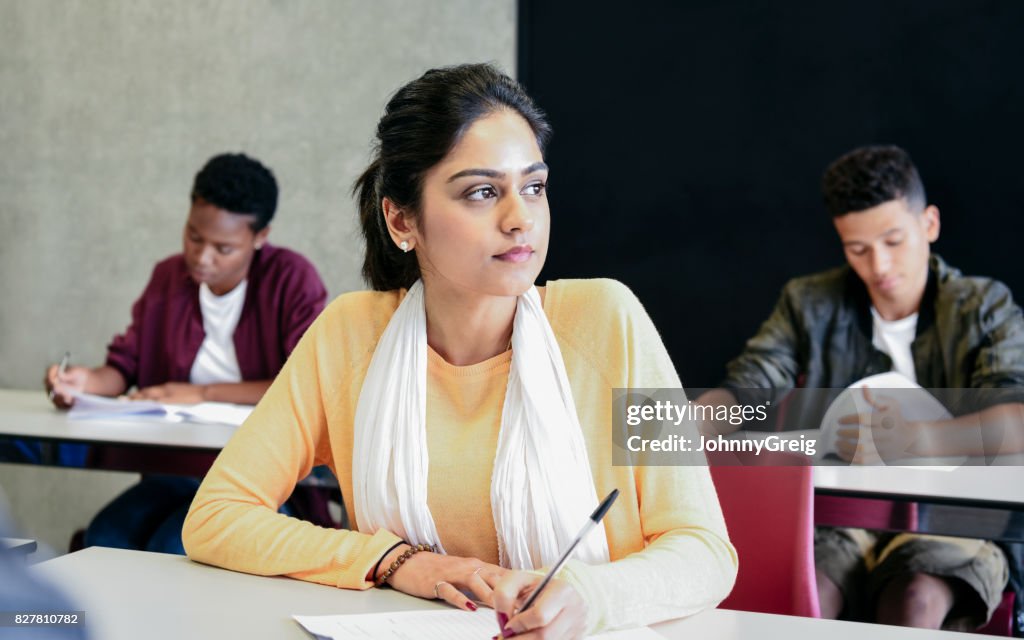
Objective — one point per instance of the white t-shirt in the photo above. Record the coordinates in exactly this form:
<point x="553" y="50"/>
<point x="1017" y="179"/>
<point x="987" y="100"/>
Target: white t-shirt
<point x="216" y="360"/>
<point x="893" y="338"/>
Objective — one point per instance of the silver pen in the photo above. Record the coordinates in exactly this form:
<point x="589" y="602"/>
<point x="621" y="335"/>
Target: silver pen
<point x="61" y="370"/>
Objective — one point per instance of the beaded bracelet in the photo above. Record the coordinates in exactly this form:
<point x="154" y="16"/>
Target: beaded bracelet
<point x="400" y="560"/>
<point x="390" y="549"/>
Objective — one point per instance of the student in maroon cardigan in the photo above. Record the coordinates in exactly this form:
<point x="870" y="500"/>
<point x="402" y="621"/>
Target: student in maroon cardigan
<point x="170" y="351"/>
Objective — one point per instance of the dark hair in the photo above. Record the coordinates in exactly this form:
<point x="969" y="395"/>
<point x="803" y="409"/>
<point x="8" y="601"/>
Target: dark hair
<point x="238" y="184"/>
<point x="422" y="122"/>
<point x="869" y="176"/>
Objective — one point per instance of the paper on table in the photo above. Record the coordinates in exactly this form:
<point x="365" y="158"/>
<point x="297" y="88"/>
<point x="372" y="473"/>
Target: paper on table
<point x="916" y="403"/>
<point x="89" y="406"/>
<point x="213" y="412"/>
<point x="425" y="625"/>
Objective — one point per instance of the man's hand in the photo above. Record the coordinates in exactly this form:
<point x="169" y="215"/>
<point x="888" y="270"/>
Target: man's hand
<point x="172" y="393"/>
<point x="63" y="386"/>
<point x="879" y="435"/>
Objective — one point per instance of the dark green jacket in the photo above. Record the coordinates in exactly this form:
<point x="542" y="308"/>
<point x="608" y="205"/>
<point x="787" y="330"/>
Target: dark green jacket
<point x="970" y="335"/>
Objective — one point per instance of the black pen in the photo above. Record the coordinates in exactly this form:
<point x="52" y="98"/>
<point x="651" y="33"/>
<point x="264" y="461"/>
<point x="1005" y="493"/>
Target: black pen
<point x="595" y="519"/>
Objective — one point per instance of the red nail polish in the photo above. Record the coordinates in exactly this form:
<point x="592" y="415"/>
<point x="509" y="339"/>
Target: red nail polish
<point x="471" y="605"/>
<point x="502" y="620"/>
<point x="508" y="633"/>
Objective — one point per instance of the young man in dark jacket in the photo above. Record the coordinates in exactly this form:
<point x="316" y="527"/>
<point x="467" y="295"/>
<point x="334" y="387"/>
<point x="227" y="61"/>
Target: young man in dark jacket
<point x="895" y="307"/>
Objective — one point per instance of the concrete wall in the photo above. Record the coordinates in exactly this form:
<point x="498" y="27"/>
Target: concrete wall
<point x="107" y="110"/>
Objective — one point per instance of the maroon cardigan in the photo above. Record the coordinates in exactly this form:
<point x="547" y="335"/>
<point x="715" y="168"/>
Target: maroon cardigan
<point x="283" y="297"/>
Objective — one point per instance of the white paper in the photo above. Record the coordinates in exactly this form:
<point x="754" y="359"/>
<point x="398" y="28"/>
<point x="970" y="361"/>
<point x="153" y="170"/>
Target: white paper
<point x="426" y="625"/>
<point x="213" y="412"/>
<point x="88" y="406"/>
<point x="915" y="404"/>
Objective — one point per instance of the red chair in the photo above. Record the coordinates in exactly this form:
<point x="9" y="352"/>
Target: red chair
<point x="1001" y="623"/>
<point x="865" y="513"/>
<point x="769" y="513"/>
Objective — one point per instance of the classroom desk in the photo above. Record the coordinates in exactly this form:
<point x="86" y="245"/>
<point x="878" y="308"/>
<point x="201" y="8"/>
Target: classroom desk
<point x="996" y="486"/>
<point x="135" y="594"/>
<point x="969" y="501"/>
<point x="18" y="546"/>
<point x="973" y="501"/>
<point x="29" y="414"/>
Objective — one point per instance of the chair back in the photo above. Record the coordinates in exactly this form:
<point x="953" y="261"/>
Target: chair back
<point x="1001" y="622"/>
<point x="769" y="514"/>
<point x="865" y="513"/>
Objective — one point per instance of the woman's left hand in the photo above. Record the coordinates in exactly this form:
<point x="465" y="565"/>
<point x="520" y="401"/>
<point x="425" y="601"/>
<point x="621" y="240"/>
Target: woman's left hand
<point x="171" y="392"/>
<point x="559" y="611"/>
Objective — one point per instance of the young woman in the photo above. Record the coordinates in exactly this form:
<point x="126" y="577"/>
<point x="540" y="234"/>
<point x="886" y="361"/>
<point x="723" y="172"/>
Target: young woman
<point x="461" y="407"/>
<point x="215" y="323"/>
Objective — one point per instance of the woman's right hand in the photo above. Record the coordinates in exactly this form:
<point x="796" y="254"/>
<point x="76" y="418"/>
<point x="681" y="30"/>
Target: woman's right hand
<point x="63" y="386"/>
<point x="452" y="575"/>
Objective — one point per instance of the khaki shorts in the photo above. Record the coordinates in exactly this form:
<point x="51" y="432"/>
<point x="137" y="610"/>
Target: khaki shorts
<point x="862" y="562"/>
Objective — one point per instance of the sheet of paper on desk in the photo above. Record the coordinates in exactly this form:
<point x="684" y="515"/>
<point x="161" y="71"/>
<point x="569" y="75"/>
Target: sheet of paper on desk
<point x="915" y="403"/>
<point x="89" y="406"/>
<point x="426" y="625"/>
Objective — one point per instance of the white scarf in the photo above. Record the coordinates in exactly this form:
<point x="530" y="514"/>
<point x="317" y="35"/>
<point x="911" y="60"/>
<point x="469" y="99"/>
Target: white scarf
<point x="542" y="491"/>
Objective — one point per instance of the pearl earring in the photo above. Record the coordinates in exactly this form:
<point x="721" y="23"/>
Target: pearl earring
<point x="404" y="246"/>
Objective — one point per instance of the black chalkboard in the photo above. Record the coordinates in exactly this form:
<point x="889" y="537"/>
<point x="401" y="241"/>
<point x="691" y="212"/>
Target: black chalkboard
<point x="690" y="138"/>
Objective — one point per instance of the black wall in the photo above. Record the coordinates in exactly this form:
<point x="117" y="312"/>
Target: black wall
<point x="690" y="138"/>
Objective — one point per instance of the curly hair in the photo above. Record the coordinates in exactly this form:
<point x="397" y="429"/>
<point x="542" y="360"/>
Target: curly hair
<point x="869" y="176"/>
<point x="238" y="184"/>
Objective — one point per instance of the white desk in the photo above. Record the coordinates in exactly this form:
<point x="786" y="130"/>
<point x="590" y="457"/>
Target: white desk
<point x="999" y="486"/>
<point x="722" y="624"/>
<point x="969" y="500"/>
<point x="20" y="546"/>
<point x="990" y="492"/>
<point x="30" y="414"/>
<point x="974" y="502"/>
<point x="135" y="594"/>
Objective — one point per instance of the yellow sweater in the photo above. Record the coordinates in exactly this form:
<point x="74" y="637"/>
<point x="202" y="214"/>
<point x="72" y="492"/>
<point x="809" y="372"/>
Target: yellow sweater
<point x="670" y="553"/>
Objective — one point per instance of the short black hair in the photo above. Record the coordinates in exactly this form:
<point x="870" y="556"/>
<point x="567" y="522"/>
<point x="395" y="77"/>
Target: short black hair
<point x="238" y="184"/>
<point x="869" y="176"/>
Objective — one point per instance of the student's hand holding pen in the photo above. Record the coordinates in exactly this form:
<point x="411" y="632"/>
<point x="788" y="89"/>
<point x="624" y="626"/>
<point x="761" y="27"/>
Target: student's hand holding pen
<point x="62" y="382"/>
<point x="558" y="612"/>
<point x="532" y="606"/>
